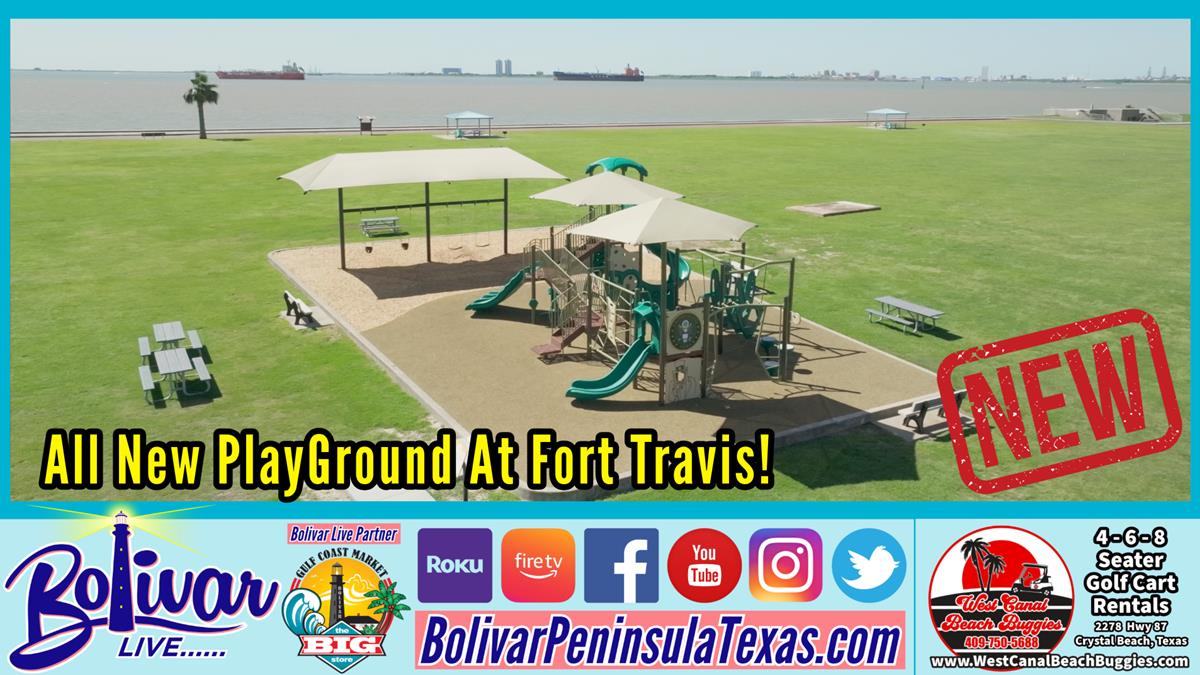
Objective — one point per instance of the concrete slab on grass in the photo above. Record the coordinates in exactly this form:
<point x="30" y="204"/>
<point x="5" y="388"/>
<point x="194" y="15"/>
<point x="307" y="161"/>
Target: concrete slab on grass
<point x="833" y="208"/>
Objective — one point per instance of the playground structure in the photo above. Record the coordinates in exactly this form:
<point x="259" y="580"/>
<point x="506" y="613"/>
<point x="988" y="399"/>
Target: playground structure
<point x="599" y="291"/>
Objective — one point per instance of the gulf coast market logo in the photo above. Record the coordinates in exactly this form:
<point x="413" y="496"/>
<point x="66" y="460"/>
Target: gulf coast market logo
<point x="341" y="606"/>
<point x="1002" y="592"/>
<point x="67" y="602"/>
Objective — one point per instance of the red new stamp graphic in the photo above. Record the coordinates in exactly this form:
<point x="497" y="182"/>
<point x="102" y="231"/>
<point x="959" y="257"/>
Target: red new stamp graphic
<point x="1086" y="407"/>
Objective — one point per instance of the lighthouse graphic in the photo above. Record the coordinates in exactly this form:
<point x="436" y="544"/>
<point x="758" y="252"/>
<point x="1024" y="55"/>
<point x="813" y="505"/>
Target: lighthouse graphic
<point x="337" y="601"/>
<point x="120" y="612"/>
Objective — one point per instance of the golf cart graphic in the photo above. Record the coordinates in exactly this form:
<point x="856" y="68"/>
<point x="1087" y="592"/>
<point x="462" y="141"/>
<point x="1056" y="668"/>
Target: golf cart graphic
<point x="1034" y="579"/>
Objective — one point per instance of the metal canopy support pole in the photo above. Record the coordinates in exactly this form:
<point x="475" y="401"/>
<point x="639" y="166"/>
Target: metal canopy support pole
<point x="662" y="326"/>
<point x="587" y="317"/>
<point x="428" y="239"/>
<point x="533" y="303"/>
<point x="785" y="358"/>
<point x="342" y="228"/>
<point x="705" y="353"/>
<point x="505" y="216"/>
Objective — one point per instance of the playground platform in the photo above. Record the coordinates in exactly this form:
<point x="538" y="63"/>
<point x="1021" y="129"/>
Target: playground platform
<point x="479" y="370"/>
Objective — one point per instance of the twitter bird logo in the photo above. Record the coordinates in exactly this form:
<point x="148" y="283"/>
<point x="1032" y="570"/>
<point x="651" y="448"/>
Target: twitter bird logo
<point x="869" y="578"/>
<point x="873" y="572"/>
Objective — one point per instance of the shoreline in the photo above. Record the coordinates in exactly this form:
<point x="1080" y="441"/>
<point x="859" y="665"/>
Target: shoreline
<point x="566" y="126"/>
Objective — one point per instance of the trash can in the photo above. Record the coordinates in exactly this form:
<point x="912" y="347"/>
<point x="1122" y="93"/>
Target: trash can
<point x="364" y="124"/>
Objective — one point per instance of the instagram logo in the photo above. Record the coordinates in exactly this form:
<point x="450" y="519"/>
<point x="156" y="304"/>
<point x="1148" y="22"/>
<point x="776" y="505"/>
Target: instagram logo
<point x="785" y="565"/>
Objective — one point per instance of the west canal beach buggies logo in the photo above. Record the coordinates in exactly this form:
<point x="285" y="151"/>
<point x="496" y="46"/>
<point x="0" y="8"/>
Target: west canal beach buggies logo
<point x="341" y="606"/>
<point x="1001" y="591"/>
<point x="67" y="602"/>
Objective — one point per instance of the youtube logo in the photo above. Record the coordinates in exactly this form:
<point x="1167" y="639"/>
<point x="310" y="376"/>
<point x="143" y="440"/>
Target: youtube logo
<point x="704" y="565"/>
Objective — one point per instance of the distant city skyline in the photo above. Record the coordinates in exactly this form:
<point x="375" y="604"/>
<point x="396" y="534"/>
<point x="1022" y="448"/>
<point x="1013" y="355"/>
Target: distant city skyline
<point x="991" y="49"/>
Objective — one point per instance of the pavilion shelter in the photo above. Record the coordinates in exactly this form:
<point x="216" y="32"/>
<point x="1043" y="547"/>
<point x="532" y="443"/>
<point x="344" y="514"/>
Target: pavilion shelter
<point x="468" y="123"/>
<point x="364" y="169"/>
<point x="888" y="118"/>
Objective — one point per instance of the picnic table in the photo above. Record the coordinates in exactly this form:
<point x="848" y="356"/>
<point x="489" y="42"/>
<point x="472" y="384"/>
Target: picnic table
<point x="168" y="334"/>
<point x="905" y="312"/>
<point x="173" y="366"/>
<point x="383" y="225"/>
<point x="173" y="361"/>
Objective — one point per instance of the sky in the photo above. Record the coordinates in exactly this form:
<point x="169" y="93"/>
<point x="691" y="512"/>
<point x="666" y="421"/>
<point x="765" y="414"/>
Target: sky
<point x="1037" y="48"/>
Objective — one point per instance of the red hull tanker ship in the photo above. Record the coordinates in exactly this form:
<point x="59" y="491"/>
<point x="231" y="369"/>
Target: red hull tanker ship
<point x="630" y="75"/>
<point x="289" y="71"/>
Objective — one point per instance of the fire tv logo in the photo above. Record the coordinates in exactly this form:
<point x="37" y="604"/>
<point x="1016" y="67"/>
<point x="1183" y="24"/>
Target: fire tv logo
<point x="537" y="565"/>
<point x="1034" y="383"/>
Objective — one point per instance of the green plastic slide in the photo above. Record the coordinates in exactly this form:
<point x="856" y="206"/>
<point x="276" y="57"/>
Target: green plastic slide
<point x="631" y="361"/>
<point x="492" y="298"/>
<point x="678" y="270"/>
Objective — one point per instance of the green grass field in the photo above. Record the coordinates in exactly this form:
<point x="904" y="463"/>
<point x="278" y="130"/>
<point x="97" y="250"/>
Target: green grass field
<point x="1008" y="227"/>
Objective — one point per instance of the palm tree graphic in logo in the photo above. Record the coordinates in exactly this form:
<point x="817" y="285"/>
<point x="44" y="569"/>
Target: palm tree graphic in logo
<point x="993" y="564"/>
<point x="973" y="550"/>
<point x="387" y="602"/>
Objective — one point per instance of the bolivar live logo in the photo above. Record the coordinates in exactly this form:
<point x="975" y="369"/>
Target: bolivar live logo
<point x="73" y="602"/>
<point x="1001" y="591"/>
<point x="341" y="606"/>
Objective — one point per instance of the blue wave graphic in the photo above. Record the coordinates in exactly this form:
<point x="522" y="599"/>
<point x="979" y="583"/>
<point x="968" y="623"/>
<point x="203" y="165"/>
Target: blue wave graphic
<point x="301" y="612"/>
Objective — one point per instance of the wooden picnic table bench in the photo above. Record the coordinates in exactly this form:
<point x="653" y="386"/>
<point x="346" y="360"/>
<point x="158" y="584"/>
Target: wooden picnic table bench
<point x="903" y="312"/>
<point x="385" y="225"/>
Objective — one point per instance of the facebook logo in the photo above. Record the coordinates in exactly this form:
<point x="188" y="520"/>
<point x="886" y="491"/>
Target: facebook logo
<point x="620" y="565"/>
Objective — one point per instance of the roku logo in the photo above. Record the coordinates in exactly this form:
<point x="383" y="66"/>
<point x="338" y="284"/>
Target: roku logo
<point x="1066" y="386"/>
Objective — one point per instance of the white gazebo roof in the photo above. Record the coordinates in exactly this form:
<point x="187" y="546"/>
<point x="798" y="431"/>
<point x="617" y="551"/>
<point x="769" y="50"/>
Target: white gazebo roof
<point x="665" y="220"/>
<point x="362" y="169"/>
<point x="886" y="111"/>
<point x="469" y="115"/>
<point x="604" y="189"/>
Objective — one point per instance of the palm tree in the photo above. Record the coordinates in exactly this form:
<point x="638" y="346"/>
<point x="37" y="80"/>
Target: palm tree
<point x="387" y="602"/>
<point x="974" y="550"/>
<point x="992" y="563"/>
<point x="202" y="92"/>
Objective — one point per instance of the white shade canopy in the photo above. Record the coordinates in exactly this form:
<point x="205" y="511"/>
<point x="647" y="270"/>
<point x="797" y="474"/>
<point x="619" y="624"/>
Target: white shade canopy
<point x="665" y="220"/>
<point x="605" y="189"/>
<point x="886" y="111"/>
<point x="468" y="115"/>
<point x="361" y="169"/>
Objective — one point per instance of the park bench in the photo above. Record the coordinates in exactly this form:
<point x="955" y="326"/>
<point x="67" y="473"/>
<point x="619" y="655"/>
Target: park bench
<point x="147" y="383"/>
<point x="144" y="348"/>
<point x="923" y="407"/>
<point x="297" y="308"/>
<point x="194" y="339"/>
<point x="149" y="134"/>
<point x="876" y="316"/>
<point x="374" y="226"/>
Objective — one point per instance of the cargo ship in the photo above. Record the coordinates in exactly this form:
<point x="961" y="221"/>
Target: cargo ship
<point x="630" y="75"/>
<point x="288" y="71"/>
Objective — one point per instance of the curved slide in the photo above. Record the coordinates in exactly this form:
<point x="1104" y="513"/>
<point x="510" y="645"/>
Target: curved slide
<point x="617" y="379"/>
<point x="631" y="361"/>
<point x="492" y="298"/>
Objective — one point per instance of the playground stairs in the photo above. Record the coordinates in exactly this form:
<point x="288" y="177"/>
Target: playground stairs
<point x="563" y="337"/>
<point x="586" y="248"/>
